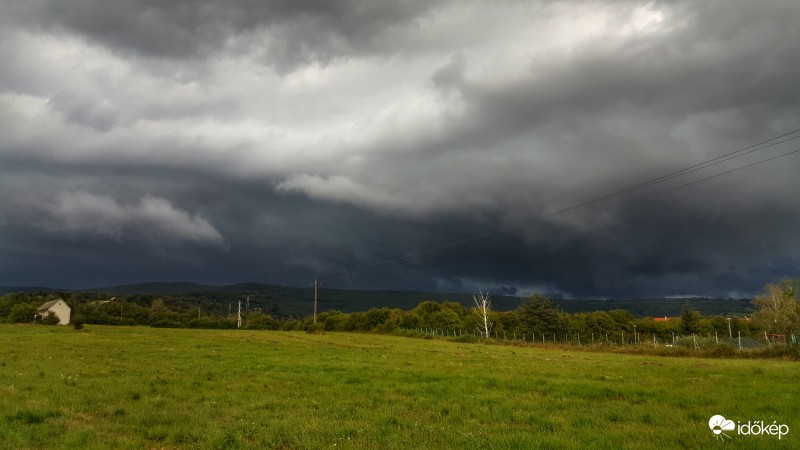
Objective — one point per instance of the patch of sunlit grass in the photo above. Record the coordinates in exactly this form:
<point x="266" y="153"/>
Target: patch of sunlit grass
<point x="107" y="387"/>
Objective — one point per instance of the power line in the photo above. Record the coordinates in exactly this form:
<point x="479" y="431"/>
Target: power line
<point x="474" y="241"/>
<point x="678" y="173"/>
<point x="638" y="199"/>
<point x="480" y="239"/>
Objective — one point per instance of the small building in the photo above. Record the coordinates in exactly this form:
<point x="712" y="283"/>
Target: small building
<point x="57" y="307"/>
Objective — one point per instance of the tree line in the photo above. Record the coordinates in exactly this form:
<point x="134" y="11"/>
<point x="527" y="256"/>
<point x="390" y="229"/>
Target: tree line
<point x="536" y="317"/>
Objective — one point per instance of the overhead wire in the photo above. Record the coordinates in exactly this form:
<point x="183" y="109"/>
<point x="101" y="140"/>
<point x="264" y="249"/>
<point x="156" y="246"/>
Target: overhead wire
<point x="473" y="241"/>
<point x="674" y="188"/>
<point x="693" y="168"/>
<point x="481" y="239"/>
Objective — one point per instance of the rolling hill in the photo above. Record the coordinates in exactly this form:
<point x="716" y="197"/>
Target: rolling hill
<point x="288" y="301"/>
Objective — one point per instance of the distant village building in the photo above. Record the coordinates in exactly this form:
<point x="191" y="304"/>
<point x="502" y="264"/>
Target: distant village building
<point x="102" y="302"/>
<point x="57" y="307"/>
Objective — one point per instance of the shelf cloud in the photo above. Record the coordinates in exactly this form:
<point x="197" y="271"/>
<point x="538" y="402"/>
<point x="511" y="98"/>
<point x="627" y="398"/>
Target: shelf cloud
<point x="408" y="145"/>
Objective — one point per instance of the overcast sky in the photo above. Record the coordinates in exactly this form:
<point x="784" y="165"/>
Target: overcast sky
<point x="240" y="140"/>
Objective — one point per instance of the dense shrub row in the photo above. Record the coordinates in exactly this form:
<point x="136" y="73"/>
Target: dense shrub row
<point x="536" y="319"/>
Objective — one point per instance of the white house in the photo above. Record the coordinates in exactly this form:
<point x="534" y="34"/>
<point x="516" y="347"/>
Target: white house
<point x="57" y="307"/>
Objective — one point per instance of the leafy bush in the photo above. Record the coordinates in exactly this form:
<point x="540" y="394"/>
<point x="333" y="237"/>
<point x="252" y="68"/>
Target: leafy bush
<point x="50" y="319"/>
<point x="166" y="323"/>
<point x="315" y="328"/>
<point x="22" y="313"/>
<point x="77" y="322"/>
<point x="721" y="351"/>
<point x="778" y="351"/>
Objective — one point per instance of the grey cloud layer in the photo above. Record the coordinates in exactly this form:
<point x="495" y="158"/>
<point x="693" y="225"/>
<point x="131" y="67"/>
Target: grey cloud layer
<point x="285" y="34"/>
<point x="269" y="140"/>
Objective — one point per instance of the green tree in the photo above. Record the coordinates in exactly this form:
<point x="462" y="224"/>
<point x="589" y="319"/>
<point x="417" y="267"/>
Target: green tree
<point x="537" y="315"/>
<point x="356" y="321"/>
<point x="690" y="320"/>
<point x="778" y="310"/>
<point x="377" y="317"/>
<point x="333" y="320"/>
<point x="445" y="319"/>
<point x="506" y="321"/>
<point x="393" y="322"/>
<point x="22" y="313"/>
<point x="601" y="322"/>
<point x="622" y="317"/>
<point x="425" y="310"/>
<point x="410" y="320"/>
<point x="444" y="316"/>
<point x="257" y="320"/>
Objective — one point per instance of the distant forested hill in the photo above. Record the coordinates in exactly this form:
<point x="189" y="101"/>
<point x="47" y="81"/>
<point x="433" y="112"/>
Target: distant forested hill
<point x="12" y="289"/>
<point x="660" y="307"/>
<point x="287" y="301"/>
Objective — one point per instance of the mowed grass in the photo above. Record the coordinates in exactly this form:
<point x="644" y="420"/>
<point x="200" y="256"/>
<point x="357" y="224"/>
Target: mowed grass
<point x="109" y="387"/>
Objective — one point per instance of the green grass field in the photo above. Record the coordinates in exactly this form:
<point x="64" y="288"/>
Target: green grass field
<point x="109" y="387"/>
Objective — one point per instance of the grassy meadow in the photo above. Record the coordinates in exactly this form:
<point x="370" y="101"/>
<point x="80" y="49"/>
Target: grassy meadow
<point x="119" y="387"/>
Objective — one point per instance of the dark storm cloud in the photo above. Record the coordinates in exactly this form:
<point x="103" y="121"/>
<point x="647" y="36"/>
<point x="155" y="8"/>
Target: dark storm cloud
<point x="289" y="32"/>
<point x="271" y="141"/>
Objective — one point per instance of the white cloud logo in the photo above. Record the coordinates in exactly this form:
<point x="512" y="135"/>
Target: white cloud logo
<point x="718" y="424"/>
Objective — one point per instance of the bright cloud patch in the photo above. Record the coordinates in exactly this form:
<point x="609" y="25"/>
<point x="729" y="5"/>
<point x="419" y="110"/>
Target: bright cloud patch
<point x="342" y="189"/>
<point x="153" y="217"/>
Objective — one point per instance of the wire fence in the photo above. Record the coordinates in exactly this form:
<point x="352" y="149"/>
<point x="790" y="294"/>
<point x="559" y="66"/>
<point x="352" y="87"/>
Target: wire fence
<point x="621" y="338"/>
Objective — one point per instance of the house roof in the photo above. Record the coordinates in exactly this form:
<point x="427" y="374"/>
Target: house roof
<point x="47" y="305"/>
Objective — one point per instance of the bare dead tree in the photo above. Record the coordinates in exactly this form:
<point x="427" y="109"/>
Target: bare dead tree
<point x="484" y="304"/>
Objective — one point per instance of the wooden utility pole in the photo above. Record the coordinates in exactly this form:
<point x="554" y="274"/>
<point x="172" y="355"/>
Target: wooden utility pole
<point x="316" y="285"/>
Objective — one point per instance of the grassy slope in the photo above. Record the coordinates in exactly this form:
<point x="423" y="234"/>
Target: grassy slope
<point x="107" y="387"/>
